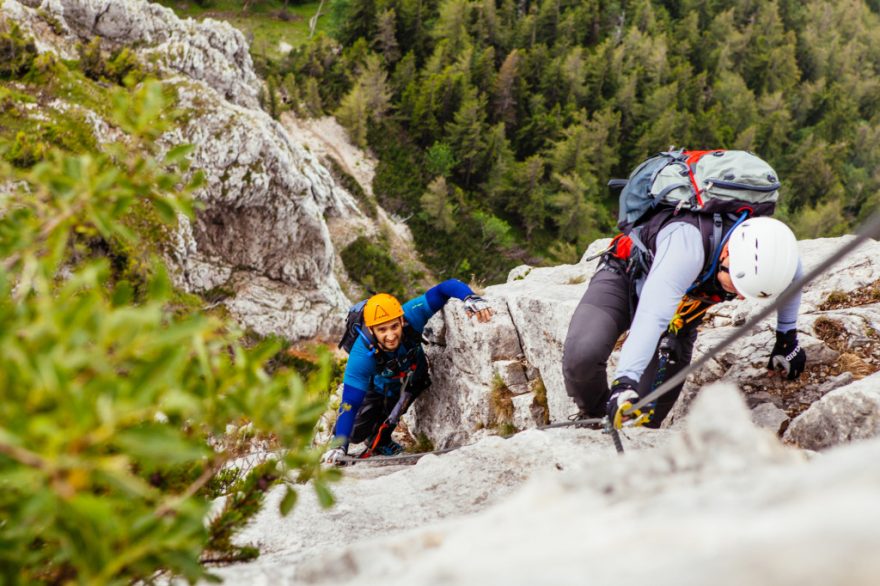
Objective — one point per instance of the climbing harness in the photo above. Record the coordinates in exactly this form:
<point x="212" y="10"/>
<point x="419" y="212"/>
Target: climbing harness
<point x="689" y="310"/>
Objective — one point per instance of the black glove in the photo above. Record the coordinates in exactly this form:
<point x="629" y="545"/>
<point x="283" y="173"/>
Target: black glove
<point x="787" y="355"/>
<point x="623" y="392"/>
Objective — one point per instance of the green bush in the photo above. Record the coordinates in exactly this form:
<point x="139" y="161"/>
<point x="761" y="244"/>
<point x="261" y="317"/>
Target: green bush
<point x="17" y="52"/>
<point x="91" y="61"/>
<point x="113" y="413"/>
<point x="25" y="151"/>
<point x="122" y="67"/>
<point x="372" y="267"/>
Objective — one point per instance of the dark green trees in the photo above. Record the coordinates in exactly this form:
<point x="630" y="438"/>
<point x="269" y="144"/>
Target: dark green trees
<point x="528" y="108"/>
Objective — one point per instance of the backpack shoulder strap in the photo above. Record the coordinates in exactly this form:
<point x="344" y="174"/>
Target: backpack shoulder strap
<point x="715" y="236"/>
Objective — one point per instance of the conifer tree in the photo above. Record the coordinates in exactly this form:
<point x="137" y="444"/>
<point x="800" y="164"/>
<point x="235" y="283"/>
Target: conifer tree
<point x="505" y="91"/>
<point x="353" y="113"/>
<point x="436" y="205"/>
<point x="569" y="153"/>
<point x="273" y="107"/>
<point x="374" y="84"/>
<point x="578" y="218"/>
<point x="451" y="25"/>
<point x="774" y="126"/>
<point x="467" y="135"/>
<point x="813" y="176"/>
<point x="313" y="103"/>
<point x="574" y="73"/>
<point x="770" y="59"/>
<point x="353" y="20"/>
<point x="440" y="159"/>
<point x="487" y="26"/>
<point x="532" y="193"/>
<point x="386" y="35"/>
<point x="290" y="92"/>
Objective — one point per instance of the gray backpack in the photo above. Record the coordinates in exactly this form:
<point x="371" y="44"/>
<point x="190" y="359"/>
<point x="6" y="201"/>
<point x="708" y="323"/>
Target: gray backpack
<point x="719" y="181"/>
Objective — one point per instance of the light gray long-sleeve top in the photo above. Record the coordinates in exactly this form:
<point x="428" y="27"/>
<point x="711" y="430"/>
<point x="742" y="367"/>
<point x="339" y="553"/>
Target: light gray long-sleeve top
<point x="678" y="260"/>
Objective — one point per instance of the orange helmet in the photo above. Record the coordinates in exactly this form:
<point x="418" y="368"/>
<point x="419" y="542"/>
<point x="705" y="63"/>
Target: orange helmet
<point x="381" y="308"/>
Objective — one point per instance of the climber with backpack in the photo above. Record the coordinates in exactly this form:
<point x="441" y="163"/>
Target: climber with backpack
<point x="694" y="232"/>
<point x="387" y="369"/>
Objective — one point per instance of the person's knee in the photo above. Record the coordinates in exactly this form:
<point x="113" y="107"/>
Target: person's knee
<point x="582" y="358"/>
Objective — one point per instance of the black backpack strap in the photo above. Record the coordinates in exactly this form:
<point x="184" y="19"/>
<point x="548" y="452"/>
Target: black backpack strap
<point x="642" y="258"/>
<point x="717" y="238"/>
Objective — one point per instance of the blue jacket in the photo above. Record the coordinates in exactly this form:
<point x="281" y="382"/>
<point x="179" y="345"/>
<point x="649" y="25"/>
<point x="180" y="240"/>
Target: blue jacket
<point x="361" y="372"/>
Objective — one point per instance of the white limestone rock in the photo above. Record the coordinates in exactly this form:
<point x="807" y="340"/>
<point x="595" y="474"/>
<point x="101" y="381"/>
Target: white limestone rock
<point x="720" y="502"/>
<point x="462" y="354"/>
<point x="261" y="232"/>
<point x="374" y="504"/>
<point x="536" y="305"/>
<point x="849" y="413"/>
<point x="841" y="380"/>
<point x="210" y="51"/>
<point x="859" y="268"/>
<point x="770" y="417"/>
<point x="512" y="373"/>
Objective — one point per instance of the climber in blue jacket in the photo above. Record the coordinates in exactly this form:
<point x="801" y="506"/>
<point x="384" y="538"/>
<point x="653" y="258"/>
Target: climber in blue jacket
<point x="387" y="368"/>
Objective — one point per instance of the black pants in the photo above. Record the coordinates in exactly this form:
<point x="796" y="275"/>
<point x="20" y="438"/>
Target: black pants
<point x="604" y="313"/>
<point x="373" y="412"/>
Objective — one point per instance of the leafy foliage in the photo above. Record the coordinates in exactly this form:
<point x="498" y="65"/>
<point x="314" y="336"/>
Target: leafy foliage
<point x="527" y="109"/>
<point x="111" y="402"/>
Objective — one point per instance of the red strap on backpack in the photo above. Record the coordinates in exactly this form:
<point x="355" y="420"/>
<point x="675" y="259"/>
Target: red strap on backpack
<point x="691" y="161"/>
<point x="621" y="246"/>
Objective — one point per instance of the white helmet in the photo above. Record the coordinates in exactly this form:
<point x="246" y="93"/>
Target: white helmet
<point x="763" y="257"/>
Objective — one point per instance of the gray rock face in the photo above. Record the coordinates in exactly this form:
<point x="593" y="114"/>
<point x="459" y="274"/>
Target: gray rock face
<point x="210" y="51"/>
<point x="716" y="502"/>
<point x="531" y="319"/>
<point x="387" y="501"/>
<point x="849" y="413"/>
<point x="262" y="232"/>
<point x="770" y="417"/>
<point x="260" y="239"/>
<point x="533" y="311"/>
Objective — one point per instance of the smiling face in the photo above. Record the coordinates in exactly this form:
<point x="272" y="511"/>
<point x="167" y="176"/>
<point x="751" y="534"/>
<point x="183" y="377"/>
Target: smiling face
<point x="724" y="273"/>
<point x="388" y="334"/>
